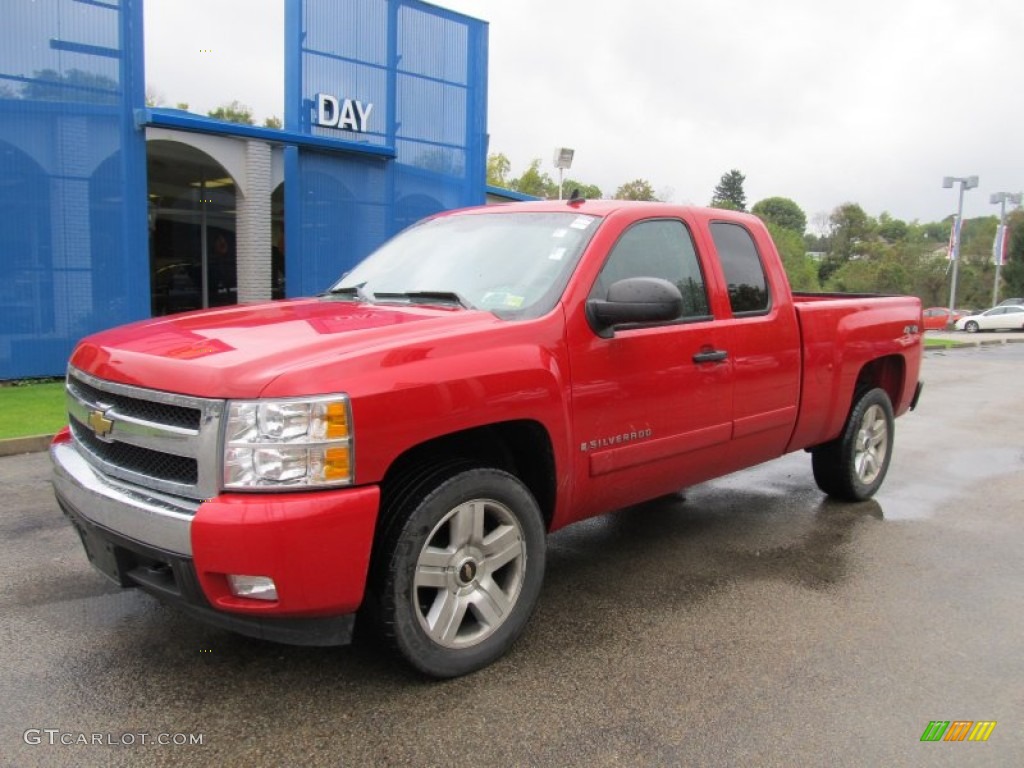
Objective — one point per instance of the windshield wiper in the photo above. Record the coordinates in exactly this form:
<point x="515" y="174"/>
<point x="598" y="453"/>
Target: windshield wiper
<point x="428" y="297"/>
<point x="357" y="291"/>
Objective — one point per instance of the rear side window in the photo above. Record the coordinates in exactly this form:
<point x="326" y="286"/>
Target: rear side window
<point x="744" y="273"/>
<point x="658" y="248"/>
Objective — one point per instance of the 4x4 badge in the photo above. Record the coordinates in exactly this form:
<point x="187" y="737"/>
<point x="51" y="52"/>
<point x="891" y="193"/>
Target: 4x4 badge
<point x="100" y="424"/>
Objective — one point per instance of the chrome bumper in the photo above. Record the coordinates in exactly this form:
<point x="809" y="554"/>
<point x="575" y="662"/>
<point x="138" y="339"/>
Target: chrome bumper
<point x="151" y="518"/>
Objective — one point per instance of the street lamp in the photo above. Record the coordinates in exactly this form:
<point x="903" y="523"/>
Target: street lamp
<point x="965" y="182"/>
<point x="563" y="160"/>
<point x="998" y="250"/>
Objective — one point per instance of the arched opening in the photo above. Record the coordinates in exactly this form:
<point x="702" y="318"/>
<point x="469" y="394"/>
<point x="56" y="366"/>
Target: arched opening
<point x="26" y="269"/>
<point x="191" y="229"/>
<point x="332" y="223"/>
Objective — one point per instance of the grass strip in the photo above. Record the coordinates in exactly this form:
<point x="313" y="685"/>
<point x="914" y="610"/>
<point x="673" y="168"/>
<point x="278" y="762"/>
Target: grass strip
<point x="31" y="409"/>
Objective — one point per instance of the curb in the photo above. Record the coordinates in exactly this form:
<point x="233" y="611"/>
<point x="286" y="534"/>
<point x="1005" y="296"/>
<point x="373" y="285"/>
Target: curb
<point x="33" y="444"/>
<point x="971" y="341"/>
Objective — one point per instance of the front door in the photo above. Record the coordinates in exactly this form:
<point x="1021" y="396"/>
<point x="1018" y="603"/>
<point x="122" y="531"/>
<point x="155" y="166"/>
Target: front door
<point x="651" y="405"/>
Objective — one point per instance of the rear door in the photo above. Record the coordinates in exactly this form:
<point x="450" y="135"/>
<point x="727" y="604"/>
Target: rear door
<point x="650" y="405"/>
<point x="762" y="338"/>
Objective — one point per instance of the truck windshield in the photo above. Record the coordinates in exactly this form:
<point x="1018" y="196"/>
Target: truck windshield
<point x="515" y="265"/>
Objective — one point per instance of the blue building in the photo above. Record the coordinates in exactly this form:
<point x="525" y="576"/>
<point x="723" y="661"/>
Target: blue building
<point x="112" y="212"/>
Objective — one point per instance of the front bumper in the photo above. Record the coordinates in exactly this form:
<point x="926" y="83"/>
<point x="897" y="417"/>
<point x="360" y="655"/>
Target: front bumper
<point x="314" y="545"/>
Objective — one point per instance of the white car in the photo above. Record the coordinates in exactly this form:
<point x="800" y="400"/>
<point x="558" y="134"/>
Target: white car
<point x="997" y="318"/>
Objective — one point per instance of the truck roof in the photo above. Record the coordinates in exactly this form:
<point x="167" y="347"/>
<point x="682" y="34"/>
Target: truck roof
<point x="605" y="208"/>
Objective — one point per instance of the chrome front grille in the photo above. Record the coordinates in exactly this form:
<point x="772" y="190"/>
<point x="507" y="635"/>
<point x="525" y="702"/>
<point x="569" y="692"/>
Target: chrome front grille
<point x="145" y="410"/>
<point x="154" y="439"/>
<point x="140" y="461"/>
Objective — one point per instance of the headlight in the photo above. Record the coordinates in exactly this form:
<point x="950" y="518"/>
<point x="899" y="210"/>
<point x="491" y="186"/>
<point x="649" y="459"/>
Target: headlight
<point x="300" y="442"/>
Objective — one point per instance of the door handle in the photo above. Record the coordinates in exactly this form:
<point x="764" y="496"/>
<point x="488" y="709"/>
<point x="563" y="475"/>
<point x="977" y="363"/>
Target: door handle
<point x="711" y="356"/>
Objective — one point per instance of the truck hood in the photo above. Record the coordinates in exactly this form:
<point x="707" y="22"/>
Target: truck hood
<point x="237" y="352"/>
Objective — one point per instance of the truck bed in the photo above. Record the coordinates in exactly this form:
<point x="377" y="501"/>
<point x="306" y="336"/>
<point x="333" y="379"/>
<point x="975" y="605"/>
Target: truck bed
<point x="841" y="333"/>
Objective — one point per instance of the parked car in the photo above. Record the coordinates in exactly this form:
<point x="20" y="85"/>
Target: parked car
<point x="1018" y="302"/>
<point x="997" y="318"/>
<point x="937" y="318"/>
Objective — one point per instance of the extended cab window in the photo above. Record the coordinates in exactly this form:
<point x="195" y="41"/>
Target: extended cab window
<point x="661" y="248"/>
<point x="744" y="273"/>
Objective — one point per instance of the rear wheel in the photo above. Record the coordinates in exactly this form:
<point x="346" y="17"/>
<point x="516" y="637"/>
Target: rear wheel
<point x="462" y="572"/>
<point x="853" y="466"/>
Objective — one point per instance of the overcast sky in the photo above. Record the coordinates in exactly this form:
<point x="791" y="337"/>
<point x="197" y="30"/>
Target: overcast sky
<point x="823" y="102"/>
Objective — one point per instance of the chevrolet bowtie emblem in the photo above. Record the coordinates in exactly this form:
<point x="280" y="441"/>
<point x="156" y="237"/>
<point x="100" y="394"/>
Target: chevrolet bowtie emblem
<point x="100" y="424"/>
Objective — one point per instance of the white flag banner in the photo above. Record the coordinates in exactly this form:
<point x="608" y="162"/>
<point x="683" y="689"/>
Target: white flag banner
<point x="999" y="246"/>
<point x="953" y="235"/>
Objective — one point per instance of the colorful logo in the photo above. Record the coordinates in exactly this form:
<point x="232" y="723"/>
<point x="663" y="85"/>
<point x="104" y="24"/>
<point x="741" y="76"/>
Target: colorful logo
<point x="958" y="730"/>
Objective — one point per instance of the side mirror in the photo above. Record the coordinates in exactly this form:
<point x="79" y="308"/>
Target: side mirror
<point x="635" y="300"/>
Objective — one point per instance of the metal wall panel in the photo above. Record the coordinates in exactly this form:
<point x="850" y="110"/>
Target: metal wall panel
<point x="72" y="178"/>
<point x="344" y="215"/>
<point x="424" y="70"/>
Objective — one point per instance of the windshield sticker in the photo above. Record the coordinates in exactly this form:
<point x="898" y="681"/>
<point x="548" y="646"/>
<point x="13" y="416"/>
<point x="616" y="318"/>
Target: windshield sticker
<point x="502" y="299"/>
<point x="560" y="232"/>
<point x="581" y="222"/>
<point x="556" y="254"/>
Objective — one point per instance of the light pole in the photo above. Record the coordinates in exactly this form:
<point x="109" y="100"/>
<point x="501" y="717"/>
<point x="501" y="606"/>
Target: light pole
<point x="966" y="182"/>
<point x="563" y="160"/>
<point x="997" y="247"/>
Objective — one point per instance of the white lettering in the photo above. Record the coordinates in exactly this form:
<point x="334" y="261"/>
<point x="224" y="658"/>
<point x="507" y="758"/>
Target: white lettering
<point x="364" y="115"/>
<point x="348" y="115"/>
<point x="347" y="120"/>
<point x="326" y="110"/>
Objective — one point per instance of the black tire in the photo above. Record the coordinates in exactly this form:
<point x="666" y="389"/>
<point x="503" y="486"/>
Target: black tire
<point x="459" y="571"/>
<point x="971" y="327"/>
<point x="853" y="466"/>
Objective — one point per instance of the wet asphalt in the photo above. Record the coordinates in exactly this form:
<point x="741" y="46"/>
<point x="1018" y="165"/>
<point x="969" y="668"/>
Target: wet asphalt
<point x="748" y="621"/>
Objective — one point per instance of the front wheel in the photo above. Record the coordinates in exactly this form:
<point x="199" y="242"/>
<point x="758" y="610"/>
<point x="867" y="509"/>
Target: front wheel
<point x="463" y="572"/>
<point x="972" y="327"/>
<point x="853" y="466"/>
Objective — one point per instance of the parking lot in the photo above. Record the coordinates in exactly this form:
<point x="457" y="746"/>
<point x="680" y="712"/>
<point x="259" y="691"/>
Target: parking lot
<point x="747" y="621"/>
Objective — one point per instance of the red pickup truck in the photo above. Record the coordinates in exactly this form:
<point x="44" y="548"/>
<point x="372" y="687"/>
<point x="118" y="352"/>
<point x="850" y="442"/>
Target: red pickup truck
<point x="398" y="448"/>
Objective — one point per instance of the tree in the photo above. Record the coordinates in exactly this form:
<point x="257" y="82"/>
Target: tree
<point x="782" y="212"/>
<point x="535" y="182"/>
<point x="976" y="236"/>
<point x="937" y="231"/>
<point x="587" y="191"/>
<point x="498" y="168"/>
<point x="153" y="97"/>
<point x="850" y="230"/>
<point x="800" y="268"/>
<point x="729" y="192"/>
<point x="273" y="122"/>
<point x="235" y="112"/>
<point x="638" y="189"/>
<point x="1012" y="272"/>
<point x="892" y="230"/>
